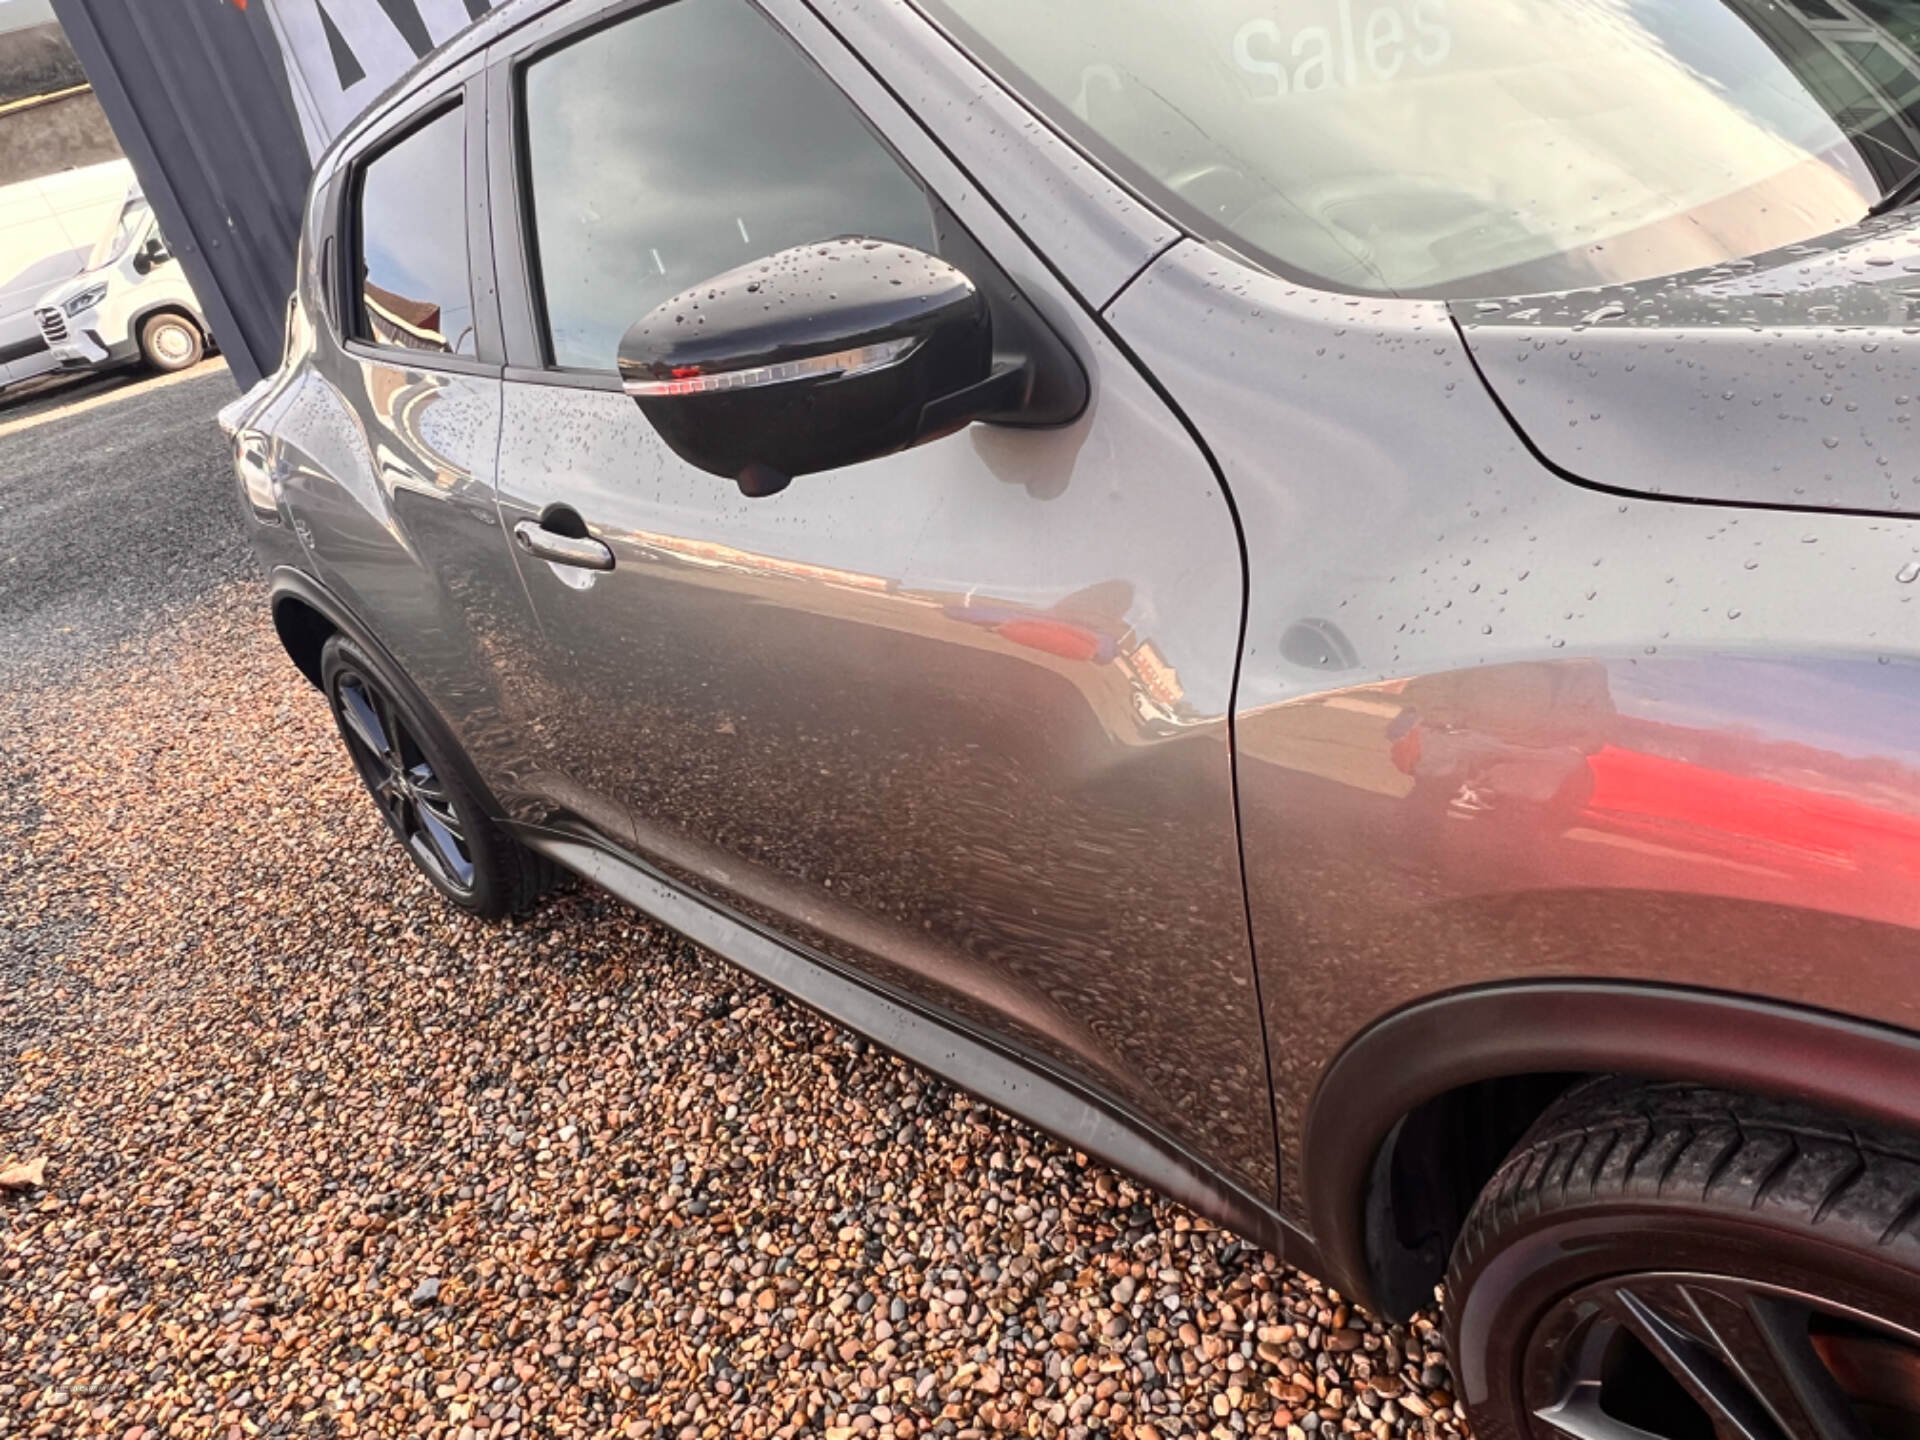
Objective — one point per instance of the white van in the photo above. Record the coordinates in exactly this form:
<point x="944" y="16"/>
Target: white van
<point x="131" y="302"/>
<point x="48" y="228"/>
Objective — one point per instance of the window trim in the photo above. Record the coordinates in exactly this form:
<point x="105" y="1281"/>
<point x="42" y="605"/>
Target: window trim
<point x="320" y="229"/>
<point x="349" y="303"/>
<point x="533" y="360"/>
<point x="569" y="32"/>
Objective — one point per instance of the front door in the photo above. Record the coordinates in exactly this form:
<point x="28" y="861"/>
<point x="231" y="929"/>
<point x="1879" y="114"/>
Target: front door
<point x="953" y="718"/>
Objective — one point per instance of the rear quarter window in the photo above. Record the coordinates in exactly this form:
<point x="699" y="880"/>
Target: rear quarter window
<point x="413" y="285"/>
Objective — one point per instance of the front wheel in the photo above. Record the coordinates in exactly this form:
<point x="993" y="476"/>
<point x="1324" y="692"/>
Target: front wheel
<point x="171" y="342"/>
<point x="1677" y="1263"/>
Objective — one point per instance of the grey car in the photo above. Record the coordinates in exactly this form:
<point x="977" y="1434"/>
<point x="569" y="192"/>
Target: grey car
<point x="1314" y="597"/>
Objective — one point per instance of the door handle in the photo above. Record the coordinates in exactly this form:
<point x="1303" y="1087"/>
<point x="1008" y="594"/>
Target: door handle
<point x="585" y="552"/>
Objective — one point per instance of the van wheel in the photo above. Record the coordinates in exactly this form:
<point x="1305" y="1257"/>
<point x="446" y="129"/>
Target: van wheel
<point x="171" y="342"/>
<point x="1668" y="1262"/>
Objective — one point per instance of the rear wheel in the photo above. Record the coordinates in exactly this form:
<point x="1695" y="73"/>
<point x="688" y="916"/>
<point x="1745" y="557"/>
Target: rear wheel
<point x="1688" y="1264"/>
<point x="170" y="342"/>
<point x="419" y="793"/>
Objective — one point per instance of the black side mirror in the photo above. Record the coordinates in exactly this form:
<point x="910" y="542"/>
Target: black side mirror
<point x="151" y="255"/>
<point x="818" y="357"/>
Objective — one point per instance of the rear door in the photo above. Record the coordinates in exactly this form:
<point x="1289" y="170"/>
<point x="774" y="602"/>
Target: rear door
<point x="391" y="435"/>
<point x="954" y="718"/>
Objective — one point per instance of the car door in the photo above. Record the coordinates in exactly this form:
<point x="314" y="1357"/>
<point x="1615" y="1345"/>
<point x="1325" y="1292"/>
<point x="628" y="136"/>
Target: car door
<point x="391" y="434"/>
<point x="953" y="719"/>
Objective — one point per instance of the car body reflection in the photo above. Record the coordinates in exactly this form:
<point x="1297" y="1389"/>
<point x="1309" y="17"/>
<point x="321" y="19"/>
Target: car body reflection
<point x="1686" y="775"/>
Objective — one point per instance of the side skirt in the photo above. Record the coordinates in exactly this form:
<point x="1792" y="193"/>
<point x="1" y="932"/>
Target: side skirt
<point x="955" y="1053"/>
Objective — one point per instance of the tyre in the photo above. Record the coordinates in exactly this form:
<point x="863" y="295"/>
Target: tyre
<point x="419" y="793"/>
<point x="1684" y="1263"/>
<point x="170" y="342"/>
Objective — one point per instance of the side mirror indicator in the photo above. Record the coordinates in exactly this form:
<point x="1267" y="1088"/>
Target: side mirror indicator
<point x="838" y="365"/>
<point x="818" y="357"/>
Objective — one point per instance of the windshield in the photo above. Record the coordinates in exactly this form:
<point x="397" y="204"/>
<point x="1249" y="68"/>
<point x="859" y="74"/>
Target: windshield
<point x="1479" y="147"/>
<point x="111" y="246"/>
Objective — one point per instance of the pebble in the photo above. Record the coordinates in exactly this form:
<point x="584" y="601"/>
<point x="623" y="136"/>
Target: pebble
<point x="327" y="1158"/>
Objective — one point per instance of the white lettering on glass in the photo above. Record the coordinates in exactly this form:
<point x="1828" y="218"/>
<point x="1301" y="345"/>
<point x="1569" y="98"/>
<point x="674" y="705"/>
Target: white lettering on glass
<point x="1251" y="63"/>
<point x="1385" y="35"/>
<point x="1372" y="48"/>
<point x="1431" y="31"/>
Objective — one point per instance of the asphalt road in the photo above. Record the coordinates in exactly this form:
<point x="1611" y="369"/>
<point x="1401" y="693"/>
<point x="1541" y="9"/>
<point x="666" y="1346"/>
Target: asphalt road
<point x="324" y="1157"/>
<point x="116" y="508"/>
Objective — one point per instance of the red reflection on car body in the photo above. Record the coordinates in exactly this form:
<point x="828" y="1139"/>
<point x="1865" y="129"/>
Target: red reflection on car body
<point x="1056" y="637"/>
<point x="1726" y="811"/>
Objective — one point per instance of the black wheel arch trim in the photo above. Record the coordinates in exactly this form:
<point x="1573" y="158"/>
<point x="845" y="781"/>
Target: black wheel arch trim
<point x="1436" y="1045"/>
<point x="287" y="583"/>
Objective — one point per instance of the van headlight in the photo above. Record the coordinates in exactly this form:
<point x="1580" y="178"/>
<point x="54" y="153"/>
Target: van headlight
<point x="86" y="299"/>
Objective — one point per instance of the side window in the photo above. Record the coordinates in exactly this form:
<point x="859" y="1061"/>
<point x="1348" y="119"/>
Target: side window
<point x="678" y="144"/>
<point x="412" y="261"/>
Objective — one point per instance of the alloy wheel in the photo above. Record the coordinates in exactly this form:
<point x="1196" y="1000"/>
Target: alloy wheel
<point x="405" y="785"/>
<point x="1677" y="1356"/>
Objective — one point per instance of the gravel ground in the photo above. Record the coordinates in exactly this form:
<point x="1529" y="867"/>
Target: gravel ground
<point x="325" y="1158"/>
<point x="113" y="510"/>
